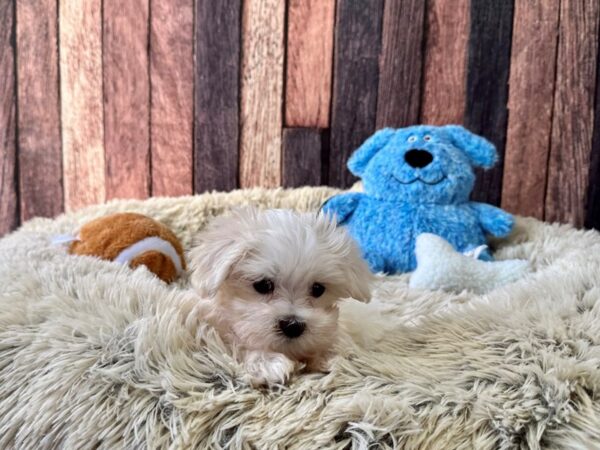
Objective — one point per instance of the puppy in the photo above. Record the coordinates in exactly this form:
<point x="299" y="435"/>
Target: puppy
<point x="270" y="282"/>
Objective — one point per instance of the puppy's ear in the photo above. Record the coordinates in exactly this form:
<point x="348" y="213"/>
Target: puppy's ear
<point x="359" y="279"/>
<point x="480" y="151"/>
<point x="215" y="253"/>
<point x="360" y="158"/>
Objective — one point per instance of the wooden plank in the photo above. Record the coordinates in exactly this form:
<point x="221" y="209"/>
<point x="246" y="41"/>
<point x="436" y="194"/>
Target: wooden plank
<point x="217" y="71"/>
<point x="592" y="213"/>
<point x="82" y="119"/>
<point x="532" y="72"/>
<point x="573" y="112"/>
<point x="301" y="157"/>
<point x="9" y="218"/>
<point x="487" y="86"/>
<point x="40" y="165"/>
<point x="261" y="92"/>
<point x="356" y="75"/>
<point x="444" y="73"/>
<point x="172" y="93"/>
<point x="126" y="98"/>
<point x="399" y="98"/>
<point x="309" y="62"/>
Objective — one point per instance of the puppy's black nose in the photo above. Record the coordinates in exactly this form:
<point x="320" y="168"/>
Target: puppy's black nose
<point x="418" y="158"/>
<point x="291" y="327"/>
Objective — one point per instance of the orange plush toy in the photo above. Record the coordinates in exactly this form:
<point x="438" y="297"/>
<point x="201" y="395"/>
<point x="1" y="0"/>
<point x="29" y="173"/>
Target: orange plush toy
<point x="132" y="239"/>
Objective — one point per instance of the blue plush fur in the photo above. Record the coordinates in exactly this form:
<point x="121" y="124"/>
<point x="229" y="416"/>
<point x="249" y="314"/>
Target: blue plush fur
<point x="417" y="180"/>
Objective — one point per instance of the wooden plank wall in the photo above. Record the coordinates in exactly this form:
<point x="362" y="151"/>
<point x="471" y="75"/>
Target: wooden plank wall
<point x="534" y="44"/>
<point x="488" y="69"/>
<point x="355" y="82"/>
<point x="105" y="99"/>
<point x="217" y="103"/>
<point x="39" y="142"/>
<point x="82" y="105"/>
<point x="573" y="113"/>
<point x="9" y="207"/>
<point x="445" y="62"/>
<point x="261" y="92"/>
<point x="171" y="49"/>
<point x="126" y="98"/>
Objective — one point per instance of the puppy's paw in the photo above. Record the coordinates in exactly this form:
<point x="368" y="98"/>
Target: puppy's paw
<point x="268" y="369"/>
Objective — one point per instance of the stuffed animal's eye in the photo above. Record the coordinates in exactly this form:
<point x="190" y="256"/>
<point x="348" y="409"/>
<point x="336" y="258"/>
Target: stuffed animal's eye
<point x="412" y="139"/>
<point x="317" y="289"/>
<point x="427" y="137"/>
<point x="264" y="286"/>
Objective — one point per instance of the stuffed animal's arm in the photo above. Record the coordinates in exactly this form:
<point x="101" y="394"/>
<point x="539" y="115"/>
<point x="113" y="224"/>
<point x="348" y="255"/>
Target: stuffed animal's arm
<point x="342" y="206"/>
<point x="493" y="220"/>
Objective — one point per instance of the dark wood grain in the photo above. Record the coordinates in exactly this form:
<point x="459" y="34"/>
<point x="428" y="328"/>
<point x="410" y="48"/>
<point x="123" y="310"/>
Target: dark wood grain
<point x="261" y="107"/>
<point x="8" y="187"/>
<point x="172" y="96"/>
<point x="82" y="117"/>
<point x="309" y="62"/>
<point x="301" y="157"/>
<point x="532" y="72"/>
<point x="126" y="98"/>
<point x="572" y="126"/>
<point x="40" y="166"/>
<point x="487" y="86"/>
<point x="444" y="72"/>
<point x="217" y="71"/>
<point x="592" y="213"/>
<point x="355" y="85"/>
<point x="401" y="63"/>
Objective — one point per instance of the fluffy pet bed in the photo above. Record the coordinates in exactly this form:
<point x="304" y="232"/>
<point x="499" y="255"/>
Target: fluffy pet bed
<point x="94" y="355"/>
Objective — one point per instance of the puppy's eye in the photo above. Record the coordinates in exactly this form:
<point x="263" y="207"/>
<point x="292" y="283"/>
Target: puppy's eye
<point x="427" y="137"/>
<point x="264" y="286"/>
<point x="412" y="139"/>
<point x="317" y="289"/>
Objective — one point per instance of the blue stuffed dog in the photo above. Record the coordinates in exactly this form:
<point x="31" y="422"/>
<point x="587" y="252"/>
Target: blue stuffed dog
<point x="417" y="180"/>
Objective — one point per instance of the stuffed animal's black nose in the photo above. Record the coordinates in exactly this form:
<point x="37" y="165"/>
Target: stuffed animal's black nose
<point x="291" y="327"/>
<point x="418" y="158"/>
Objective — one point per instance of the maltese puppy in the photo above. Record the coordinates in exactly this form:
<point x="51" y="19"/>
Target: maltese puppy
<point x="269" y="284"/>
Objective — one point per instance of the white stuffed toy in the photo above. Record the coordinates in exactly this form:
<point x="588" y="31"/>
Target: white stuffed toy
<point x="439" y="266"/>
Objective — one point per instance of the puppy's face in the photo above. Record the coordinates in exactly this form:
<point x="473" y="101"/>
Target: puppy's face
<point x="276" y="277"/>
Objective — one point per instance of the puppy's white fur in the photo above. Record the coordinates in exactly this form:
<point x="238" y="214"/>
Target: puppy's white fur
<point x="294" y="251"/>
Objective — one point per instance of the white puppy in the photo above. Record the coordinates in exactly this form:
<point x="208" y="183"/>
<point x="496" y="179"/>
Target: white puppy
<point x="270" y="282"/>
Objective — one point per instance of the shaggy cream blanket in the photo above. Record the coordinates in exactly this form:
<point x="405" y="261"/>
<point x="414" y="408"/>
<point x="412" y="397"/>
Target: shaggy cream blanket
<point x="94" y="355"/>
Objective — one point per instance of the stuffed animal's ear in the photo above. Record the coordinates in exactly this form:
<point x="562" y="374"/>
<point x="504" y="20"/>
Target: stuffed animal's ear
<point x="360" y="158"/>
<point x="480" y="151"/>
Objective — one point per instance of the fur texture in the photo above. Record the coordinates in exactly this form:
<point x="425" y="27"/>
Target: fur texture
<point x="95" y="355"/>
<point x="291" y="252"/>
<point x="418" y="180"/>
